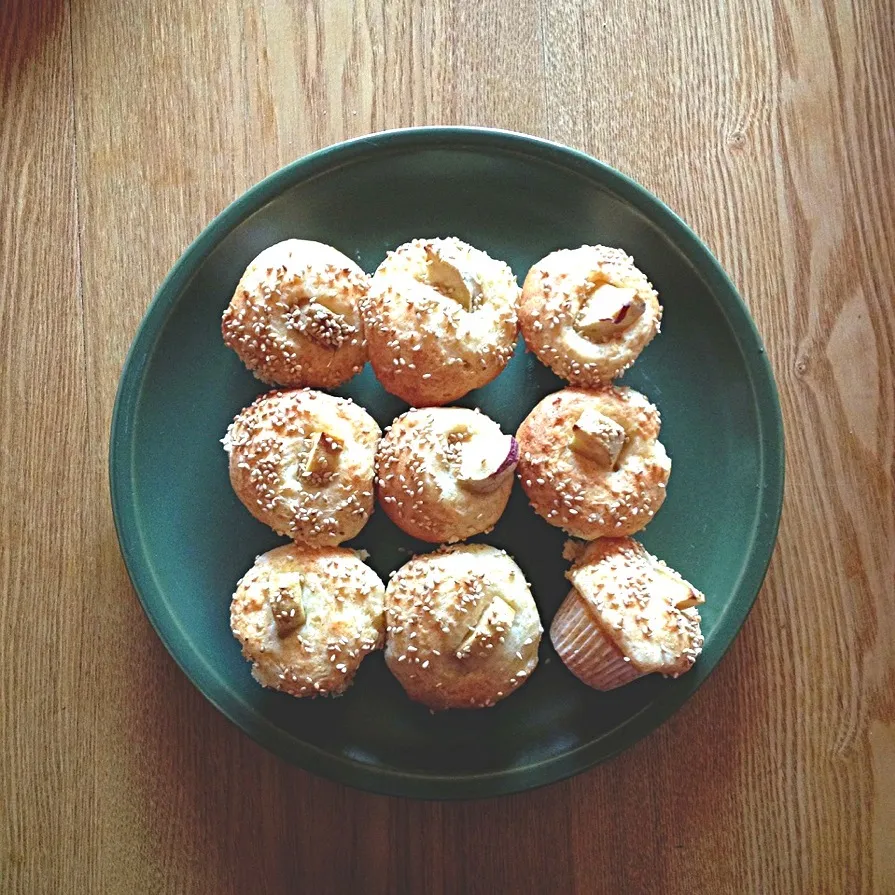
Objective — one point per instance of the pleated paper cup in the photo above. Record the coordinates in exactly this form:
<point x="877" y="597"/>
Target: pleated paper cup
<point x="585" y="650"/>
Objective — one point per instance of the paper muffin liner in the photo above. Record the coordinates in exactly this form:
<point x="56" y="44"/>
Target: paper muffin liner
<point x="585" y="650"/>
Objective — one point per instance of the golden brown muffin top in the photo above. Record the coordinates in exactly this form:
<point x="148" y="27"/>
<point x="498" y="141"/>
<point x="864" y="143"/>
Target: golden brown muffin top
<point x="463" y="627"/>
<point x="445" y="473"/>
<point x="440" y="319"/>
<point x="591" y="462"/>
<point x="294" y="318"/>
<point x="302" y="462"/>
<point x="643" y="605"/>
<point x="306" y="617"/>
<point x="588" y="313"/>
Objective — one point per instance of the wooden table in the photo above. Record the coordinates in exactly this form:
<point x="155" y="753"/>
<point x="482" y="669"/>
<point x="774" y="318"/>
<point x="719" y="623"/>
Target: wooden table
<point x="124" y="127"/>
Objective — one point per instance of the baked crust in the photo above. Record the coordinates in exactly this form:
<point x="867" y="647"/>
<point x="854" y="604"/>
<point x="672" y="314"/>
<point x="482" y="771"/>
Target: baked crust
<point x="294" y="318"/>
<point x="573" y="491"/>
<point x="633" y="599"/>
<point x="553" y="294"/>
<point x="343" y="603"/>
<point x="417" y="475"/>
<point x="269" y="444"/>
<point x="423" y="345"/>
<point x="462" y="627"/>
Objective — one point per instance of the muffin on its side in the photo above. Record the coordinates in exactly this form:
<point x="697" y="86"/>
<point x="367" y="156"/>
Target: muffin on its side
<point x="591" y="462"/>
<point x="587" y="313"/>
<point x="628" y="614"/>
<point x="306" y="618"/>
<point x="440" y="320"/>
<point x="302" y="462"/>
<point x="294" y="318"/>
<point x="444" y="474"/>
<point x="462" y="627"/>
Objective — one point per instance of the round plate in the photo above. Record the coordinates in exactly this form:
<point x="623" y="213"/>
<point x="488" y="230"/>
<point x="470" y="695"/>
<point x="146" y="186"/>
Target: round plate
<point x="186" y="539"/>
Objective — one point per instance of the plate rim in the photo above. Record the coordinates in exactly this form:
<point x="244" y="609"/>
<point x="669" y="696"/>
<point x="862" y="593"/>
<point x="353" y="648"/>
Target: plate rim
<point x="394" y="781"/>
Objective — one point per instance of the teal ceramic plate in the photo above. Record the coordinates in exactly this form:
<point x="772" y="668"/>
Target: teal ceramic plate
<point x="186" y="539"/>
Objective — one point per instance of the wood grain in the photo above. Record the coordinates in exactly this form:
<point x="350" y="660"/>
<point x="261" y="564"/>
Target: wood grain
<point x="124" y="127"/>
<point x="47" y="731"/>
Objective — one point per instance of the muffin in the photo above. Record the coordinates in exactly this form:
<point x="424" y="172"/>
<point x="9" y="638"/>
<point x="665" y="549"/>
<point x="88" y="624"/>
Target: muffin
<point x="294" y="318"/>
<point x="628" y="614"/>
<point x="462" y="627"/>
<point x="440" y="320"/>
<point x="306" y="617"/>
<point x="302" y="462"/>
<point x="587" y="313"/>
<point x="591" y="462"/>
<point x="444" y="474"/>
